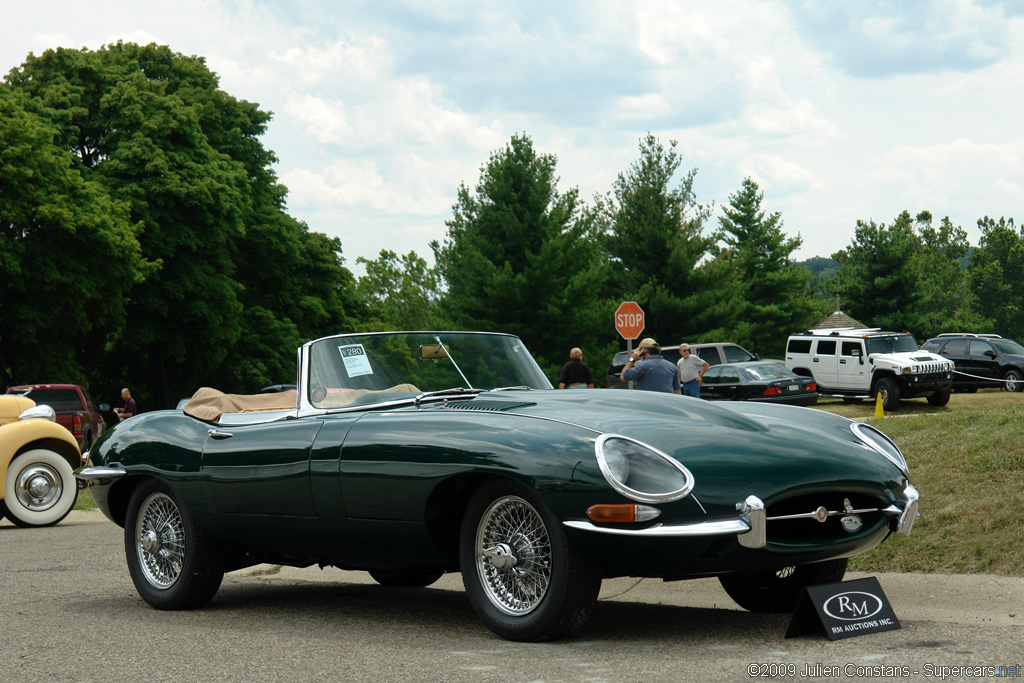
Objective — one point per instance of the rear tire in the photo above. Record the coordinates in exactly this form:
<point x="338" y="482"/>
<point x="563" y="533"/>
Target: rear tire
<point x="523" y="578"/>
<point x="40" y="488"/>
<point x="1014" y="380"/>
<point x="172" y="566"/>
<point x="778" y="591"/>
<point x="939" y="398"/>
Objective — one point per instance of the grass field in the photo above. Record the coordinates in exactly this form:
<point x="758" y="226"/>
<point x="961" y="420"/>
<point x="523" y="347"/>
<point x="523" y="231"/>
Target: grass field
<point x="967" y="460"/>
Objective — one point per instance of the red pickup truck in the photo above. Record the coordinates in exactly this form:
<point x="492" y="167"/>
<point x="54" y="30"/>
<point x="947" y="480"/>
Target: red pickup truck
<point x="75" y="409"/>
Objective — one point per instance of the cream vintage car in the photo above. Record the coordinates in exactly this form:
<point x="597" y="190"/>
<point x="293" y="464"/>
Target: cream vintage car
<point x="37" y="462"/>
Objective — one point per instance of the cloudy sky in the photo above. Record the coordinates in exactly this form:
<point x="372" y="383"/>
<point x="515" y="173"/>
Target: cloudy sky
<point x="839" y="110"/>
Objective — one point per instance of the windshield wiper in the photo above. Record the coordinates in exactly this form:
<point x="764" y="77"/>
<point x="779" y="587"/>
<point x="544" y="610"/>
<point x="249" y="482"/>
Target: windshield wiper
<point x="521" y="387"/>
<point x="454" y="391"/>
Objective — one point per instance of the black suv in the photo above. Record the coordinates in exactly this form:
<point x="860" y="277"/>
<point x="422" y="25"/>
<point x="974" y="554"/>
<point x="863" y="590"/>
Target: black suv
<point x="714" y="353"/>
<point x="982" y="360"/>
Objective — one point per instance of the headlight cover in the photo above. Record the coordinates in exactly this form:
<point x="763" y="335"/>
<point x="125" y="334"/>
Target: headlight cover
<point x="640" y="472"/>
<point x="877" y="441"/>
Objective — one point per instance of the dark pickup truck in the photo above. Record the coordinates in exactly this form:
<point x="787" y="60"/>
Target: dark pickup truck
<point x="75" y="409"/>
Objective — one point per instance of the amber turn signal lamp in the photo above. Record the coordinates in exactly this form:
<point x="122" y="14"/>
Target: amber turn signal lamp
<point x="622" y="514"/>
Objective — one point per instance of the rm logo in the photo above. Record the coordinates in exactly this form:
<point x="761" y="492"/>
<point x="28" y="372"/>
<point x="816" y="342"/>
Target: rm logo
<point x="853" y="606"/>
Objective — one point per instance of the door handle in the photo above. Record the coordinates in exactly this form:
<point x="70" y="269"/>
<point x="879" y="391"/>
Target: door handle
<point x="842" y="361"/>
<point x="217" y="434"/>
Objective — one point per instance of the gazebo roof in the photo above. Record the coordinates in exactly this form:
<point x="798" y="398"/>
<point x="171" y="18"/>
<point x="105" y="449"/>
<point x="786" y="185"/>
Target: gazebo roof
<point x="837" y="319"/>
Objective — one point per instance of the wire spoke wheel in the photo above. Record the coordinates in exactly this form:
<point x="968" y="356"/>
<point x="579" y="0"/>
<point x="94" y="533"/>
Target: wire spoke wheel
<point x="521" y="574"/>
<point x="160" y="540"/>
<point x="173" y="565"/>
<point x="513" y="555"/>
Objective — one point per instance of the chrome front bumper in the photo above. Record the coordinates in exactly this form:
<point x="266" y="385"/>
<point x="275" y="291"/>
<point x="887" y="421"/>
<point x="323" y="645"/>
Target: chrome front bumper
<point x="92" y="473"/>
<point x="750" y="527"/>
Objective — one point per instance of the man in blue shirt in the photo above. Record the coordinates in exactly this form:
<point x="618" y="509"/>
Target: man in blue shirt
<point x="650" y="371"/>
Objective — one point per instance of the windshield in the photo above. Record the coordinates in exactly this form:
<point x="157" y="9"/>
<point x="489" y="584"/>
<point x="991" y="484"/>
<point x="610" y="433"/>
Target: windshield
<point x="355" y="369"/>
<point x="897" y="343"/>
<point x="58" y="399"/>
<point x="1008" y="346"/>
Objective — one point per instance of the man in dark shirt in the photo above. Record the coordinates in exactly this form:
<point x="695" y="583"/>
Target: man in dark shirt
<point x="576" y="374"/>
<point x="650" y="370"/>
<point x="129" y="405"/>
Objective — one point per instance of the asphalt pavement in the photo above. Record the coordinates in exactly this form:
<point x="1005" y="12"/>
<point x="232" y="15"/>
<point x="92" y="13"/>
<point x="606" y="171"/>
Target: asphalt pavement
<point x="69" y="612"/>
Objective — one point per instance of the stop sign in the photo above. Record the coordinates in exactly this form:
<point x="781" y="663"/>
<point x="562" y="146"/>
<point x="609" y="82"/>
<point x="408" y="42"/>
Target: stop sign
<point x="629" y="320"/>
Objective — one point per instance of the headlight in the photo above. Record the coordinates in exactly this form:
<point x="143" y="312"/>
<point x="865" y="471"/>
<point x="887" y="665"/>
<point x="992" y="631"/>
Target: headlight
<point x="879" y="442"/>
<point x="640" y="472"/>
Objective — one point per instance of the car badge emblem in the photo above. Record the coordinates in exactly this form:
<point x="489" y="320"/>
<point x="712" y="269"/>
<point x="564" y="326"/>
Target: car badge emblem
<point x="850" y="522"/>
<point x="821" y="514"/>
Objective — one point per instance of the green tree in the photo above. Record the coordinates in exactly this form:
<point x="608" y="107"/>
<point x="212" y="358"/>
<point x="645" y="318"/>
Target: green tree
<point x="521" y="257"/>
<point x="775" y="302"/>
<point x="68" y="254"/>
<point x="402" y="293"/>
<point x="947" y="303"/>
<point x="879" y="278"/>
<point x="153" y="127"/>
<point x="996" y="275"/>
<point x="660" y="256"/>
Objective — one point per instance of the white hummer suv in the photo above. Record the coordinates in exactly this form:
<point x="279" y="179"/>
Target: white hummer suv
<point x="865" y="362"/>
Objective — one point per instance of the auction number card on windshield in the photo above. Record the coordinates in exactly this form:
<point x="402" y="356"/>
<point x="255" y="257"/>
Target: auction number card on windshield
<point x="355" y="360"/>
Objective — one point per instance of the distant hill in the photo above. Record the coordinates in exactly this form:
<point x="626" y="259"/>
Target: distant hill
<point x="822" y="266"/>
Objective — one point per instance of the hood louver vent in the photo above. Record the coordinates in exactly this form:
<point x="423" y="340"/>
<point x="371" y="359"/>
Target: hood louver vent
<point x="494" y="406"/>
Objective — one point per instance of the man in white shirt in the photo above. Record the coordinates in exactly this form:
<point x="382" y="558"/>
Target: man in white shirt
<point x="691" y="370"/>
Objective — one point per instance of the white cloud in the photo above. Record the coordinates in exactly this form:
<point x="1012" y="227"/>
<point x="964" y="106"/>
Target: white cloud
<point x="362" y="59"/>
<point x="650" y="105"/>
<point x="840" y="111"/>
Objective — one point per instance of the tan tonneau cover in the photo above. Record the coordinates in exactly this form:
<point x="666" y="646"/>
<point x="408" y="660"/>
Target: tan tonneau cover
<point x="208" y="404"/>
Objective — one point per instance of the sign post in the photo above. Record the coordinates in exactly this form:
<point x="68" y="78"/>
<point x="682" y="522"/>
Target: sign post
<point x="629" y="322"/>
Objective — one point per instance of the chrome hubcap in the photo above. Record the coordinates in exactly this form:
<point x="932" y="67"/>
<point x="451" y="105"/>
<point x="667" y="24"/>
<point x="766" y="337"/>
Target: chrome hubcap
<point x="38" y="487"/>
<point x="513" y="555"/>
<point x="160" y="541"/>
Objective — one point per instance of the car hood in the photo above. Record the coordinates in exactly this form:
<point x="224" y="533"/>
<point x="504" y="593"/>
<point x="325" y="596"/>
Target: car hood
<point x="784" y="448"/>
<point x="908" y="358"/>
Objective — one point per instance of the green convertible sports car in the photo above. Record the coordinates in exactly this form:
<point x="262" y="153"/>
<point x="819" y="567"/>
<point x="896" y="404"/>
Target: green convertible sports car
<point x="411" y="454"/>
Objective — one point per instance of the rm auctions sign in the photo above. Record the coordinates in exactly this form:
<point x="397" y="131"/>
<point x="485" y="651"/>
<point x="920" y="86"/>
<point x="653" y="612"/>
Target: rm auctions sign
<point x="844" y="610"/>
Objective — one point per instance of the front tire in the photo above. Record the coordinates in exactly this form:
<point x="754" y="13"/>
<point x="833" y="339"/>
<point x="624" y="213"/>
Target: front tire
<point x="889" y="391"/>
<point x="939" y="398"/>
<point x="777" y="591"/>
<point x="1014" y="380"/>
<point x="40" y="488"/>
<point x="522" y="577"/>
<point x="172" y="566"/>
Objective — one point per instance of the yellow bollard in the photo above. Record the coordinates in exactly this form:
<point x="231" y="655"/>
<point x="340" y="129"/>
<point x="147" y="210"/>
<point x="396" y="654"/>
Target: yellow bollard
<point x="879" y="413"/>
